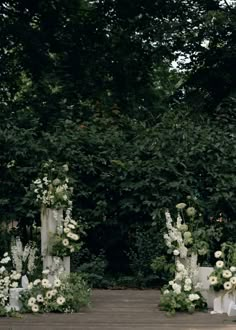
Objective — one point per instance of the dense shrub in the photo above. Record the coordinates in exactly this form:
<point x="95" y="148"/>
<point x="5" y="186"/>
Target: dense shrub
<point x="125" y="173"/>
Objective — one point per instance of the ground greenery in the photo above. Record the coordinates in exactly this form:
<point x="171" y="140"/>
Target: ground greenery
<point x="90" y="84"/>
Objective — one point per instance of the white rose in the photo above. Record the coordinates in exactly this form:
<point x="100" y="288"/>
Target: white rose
<point x="188" y="281"/>
<point x="233" y="269"/>
<point x="187" y="288"/>
<point x="176" y="252"/>
<point x="166" y="292"/>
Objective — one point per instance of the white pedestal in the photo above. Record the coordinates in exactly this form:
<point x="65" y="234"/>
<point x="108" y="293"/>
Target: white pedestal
<point x="203" y="275"/>
<point x="51" y="220"/>
<point x="14" y="300"/>
<point x="224" y="303"/>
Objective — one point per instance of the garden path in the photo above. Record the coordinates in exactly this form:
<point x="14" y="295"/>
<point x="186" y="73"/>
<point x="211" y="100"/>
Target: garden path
<point x="121" y="310"/>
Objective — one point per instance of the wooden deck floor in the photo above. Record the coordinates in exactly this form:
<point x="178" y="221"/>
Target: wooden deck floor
<point x="121" y="310"/>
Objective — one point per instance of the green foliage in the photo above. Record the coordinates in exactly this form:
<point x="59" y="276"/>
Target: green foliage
<point x="229" y="252"/>
<point x="93" y="270"/>
<point x="172" y="302"/>
<point x="145" y="244"/>
<point x="164" y="267"/>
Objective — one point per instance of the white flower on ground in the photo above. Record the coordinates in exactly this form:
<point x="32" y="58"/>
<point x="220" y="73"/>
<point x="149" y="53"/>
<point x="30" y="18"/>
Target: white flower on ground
<point x="45" y="271"/>
<point x="177" y="288"/>
<point x="30" y="286"/>
<point x="31" y="301"/>
<point x="233" y="280"/>
<point x="36" y="282"/>
<point x="188" y="281"/>
<point x="35" y="308"/>
<point x="176" y="252"/>
<point x="57" y="283"/>
<point x="181" y="206"/>
<point x="187" y="288"/>
<point x="40" y="298"/>
<point x="213" y="280"/>
<point x="171" y="282"/>
<point x="228" y="285"/>
<point x="60" y="300"/>
<point x="220" y="264"/>
<point x="72" y="249"/>
<point x="218" y="254"/>
<point x="193" y="296"/>
<point x="65" y="242"/>
<point x="166" y="292"/>
<point x="71" y="226"/>
<point x="5" y="254"/>
<point x="53" y="292"/>
<point x="233" y="269"/>
<point x="227" y="274"/>
<point x="45" y="282"/>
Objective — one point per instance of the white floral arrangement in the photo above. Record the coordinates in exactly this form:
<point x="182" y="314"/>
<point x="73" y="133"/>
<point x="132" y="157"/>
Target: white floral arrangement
<point x="52" y="188"/>
<point x="224" y="275"/>
<point x="181" y="293"/>
<point x="182" y="238"/>
<point x="42" y="296"/>
<point x="64" y="294"/>
<point x="9" y="279"/>
<point x="23" y="258"/>
<point x="66" y="239"/>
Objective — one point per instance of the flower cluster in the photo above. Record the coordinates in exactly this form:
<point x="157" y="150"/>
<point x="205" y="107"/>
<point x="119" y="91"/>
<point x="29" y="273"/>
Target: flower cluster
<point x="23" y="258"/>
<point x="9" y="279"/>
<point x="58" y="295"/>
<point x="52" y="188"/>
<point x="43" y="296"/>
<point x="182" y="293"/>
<point x="66" y="240"/>
<point x="184" y="237"/>
<point x="224" y="275"/>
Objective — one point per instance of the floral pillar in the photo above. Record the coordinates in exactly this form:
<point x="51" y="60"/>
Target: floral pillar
<point x="51" y="222"/>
